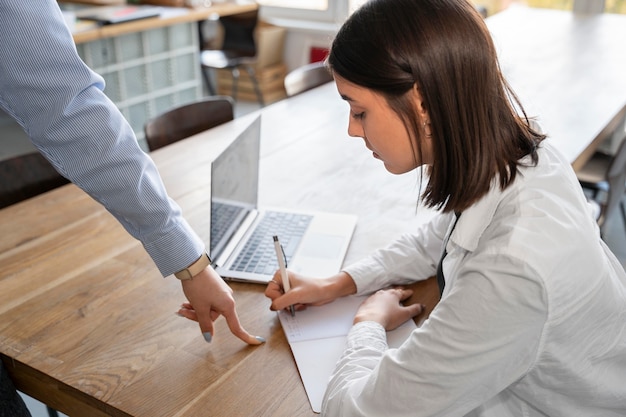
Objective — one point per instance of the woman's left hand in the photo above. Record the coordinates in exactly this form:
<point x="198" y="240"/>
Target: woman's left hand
<point x="385" y="307"/>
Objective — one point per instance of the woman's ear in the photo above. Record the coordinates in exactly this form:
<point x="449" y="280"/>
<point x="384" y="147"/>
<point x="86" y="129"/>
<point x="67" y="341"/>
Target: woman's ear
<point x="420" y="105"/>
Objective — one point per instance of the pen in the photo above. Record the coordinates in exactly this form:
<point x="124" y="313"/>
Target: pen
<point x="282" y="266"/>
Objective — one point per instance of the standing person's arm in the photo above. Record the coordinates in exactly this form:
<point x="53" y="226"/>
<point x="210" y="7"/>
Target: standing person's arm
<point x="60" y="104"/>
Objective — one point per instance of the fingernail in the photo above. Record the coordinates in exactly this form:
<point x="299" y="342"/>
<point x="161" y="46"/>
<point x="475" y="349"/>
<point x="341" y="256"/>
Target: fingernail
<point x="179" y="315"/>
<point x="207" y="336"/>
<point x="423" y="307"/>
<point x="260" y="339"/>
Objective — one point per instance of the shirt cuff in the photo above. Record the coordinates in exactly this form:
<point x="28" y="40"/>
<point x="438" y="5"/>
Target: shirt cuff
<point x="367" y="275"/>
<point x="177" y="250"/>
<point x="368" y="334"/>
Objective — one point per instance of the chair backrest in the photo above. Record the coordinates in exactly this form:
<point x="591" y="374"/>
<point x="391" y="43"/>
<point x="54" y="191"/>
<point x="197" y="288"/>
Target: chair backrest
<point x="616" y="177"/>
<point x="306" y="77"/>
<point x="239" y="33"/>
<point x="187" y="120"/>
<point x="25" y="176"/>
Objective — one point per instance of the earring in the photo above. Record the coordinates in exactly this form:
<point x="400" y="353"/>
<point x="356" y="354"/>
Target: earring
<point x="426" y="127"/>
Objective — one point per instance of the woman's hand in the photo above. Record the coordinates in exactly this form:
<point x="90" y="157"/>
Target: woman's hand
<point x="210" y="297"/>
<point x="308" y="291"/>
<point x="385" y="307"/>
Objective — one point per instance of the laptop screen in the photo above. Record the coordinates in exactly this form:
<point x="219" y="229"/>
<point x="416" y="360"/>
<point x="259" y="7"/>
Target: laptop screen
<point x="234" y="186"/>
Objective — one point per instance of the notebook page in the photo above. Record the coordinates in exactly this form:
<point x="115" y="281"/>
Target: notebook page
<point x="316" y="360"/>
<point x="317" y="337"/>
<point x="329" y="320"/>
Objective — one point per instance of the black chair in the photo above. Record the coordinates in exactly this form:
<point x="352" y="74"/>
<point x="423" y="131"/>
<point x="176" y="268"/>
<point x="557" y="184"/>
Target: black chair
<point x="25" y="176"/>
<point x="187" y="120"/>
<point x="604" y="178"/>
<point x="306" y="77"/>
<point x="238" y="51"/>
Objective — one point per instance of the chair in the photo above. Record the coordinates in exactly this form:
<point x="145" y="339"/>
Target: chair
<point x="604" y="176"/>
<point x="187" y="120"/>
<point x="25" y="176"/>
<point x="306" y="77"/>
<point x="238" y="51"/>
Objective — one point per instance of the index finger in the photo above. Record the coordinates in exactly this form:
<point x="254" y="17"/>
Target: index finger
<point x="237" y="329"/>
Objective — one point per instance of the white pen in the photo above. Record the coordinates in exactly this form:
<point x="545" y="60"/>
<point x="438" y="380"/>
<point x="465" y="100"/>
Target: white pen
<point x="282" y="266"/>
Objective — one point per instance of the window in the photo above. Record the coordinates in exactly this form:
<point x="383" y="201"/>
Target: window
<point x="552" y="4"/>
<point x="610" y="6"/>
<point x="297" y="4"/>
<point x="336" y="11"/>
<point x="615" y="6"/>
<point x="354" y="4"/>
<point x="321" y="10"/>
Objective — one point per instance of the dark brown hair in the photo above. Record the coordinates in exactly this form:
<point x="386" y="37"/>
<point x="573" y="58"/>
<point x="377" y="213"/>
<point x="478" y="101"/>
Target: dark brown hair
<point x="444" y="48"/>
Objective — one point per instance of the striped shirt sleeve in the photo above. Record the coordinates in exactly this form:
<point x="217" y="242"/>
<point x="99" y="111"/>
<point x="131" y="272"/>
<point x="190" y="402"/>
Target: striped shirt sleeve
<point x="59" y="102"/>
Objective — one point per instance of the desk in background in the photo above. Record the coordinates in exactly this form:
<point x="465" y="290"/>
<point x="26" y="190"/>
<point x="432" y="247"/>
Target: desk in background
<point x="169" y="16"/>
<point x="149" y="66"/>
<point x="152" y="65"/>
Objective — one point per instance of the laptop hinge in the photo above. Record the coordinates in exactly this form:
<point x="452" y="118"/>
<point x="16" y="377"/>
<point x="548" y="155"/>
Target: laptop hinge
<point x="236" y="239"/>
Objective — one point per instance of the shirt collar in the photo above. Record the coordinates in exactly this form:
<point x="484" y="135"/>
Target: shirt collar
<point x="475" y="219"/>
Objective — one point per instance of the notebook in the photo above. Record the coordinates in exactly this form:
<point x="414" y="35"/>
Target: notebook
<point x="108" y="15"/>
<point x="315" y="243"/>
<point x="317" y="337"/>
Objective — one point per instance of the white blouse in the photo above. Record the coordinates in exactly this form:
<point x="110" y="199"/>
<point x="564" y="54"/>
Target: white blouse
<point x="532" y="321"/>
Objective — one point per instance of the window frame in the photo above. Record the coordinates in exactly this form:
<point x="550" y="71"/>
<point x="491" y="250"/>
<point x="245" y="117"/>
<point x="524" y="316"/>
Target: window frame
<point x="337" y="11"/>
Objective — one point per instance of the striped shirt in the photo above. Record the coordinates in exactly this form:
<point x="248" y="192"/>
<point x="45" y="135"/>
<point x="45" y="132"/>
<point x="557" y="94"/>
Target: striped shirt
<point x="59" y="102"/>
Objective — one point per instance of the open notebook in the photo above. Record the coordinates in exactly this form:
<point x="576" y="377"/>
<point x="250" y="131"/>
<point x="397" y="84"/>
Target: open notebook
<point x="317" y="337"/>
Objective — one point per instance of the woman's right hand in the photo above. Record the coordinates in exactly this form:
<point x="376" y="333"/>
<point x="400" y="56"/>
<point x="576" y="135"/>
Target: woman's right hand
<point x="307" y="291"/>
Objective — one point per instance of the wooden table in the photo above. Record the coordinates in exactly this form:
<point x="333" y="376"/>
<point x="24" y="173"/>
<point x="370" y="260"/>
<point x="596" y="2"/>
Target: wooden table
<point x="88" y="326"/>
<point x="568" y="69"/>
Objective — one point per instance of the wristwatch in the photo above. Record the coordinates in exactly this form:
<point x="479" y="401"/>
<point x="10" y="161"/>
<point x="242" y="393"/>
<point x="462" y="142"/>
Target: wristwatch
<point x="195" y="268"/>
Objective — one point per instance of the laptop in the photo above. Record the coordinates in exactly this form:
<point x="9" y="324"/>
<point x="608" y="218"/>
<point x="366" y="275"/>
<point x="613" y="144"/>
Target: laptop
<point x="109" y="15"/>
<point x="241" y="235"/>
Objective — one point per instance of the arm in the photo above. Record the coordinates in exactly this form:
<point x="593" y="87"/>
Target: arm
<point x="308" y="291"/>
<point x="58" y="100"/>
<point x="411" y="258"/>
<point x="408" y="259"/>
<point x="479" y="340"/>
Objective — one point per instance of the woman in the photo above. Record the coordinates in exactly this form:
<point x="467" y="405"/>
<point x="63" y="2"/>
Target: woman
<point x="532" y="318"/>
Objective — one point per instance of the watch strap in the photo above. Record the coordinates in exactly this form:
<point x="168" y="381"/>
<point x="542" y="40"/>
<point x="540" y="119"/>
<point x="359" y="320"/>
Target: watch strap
<point x="195" y="268"/>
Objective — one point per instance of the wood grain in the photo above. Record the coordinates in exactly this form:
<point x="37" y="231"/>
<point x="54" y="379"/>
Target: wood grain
<point x="88" y="325"/>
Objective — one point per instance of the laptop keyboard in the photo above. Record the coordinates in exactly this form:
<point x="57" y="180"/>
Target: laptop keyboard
<point x="222" y="216"/>
<point x="258" y="255"/>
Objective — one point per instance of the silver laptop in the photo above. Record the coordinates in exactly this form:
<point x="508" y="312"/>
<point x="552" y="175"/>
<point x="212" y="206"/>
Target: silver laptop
<point x="241" y="243"/>
<point x="109" y="15"/>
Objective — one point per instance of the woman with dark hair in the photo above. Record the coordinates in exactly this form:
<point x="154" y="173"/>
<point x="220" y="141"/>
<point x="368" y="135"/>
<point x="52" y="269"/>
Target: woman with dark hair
<point x="532" y="317"/>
